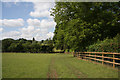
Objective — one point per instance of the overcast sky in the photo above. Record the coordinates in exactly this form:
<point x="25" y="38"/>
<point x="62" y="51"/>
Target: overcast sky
<point x="27" y="20"/>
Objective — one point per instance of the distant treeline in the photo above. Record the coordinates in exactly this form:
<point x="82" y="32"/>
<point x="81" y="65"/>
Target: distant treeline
<point x="23" y="45"/>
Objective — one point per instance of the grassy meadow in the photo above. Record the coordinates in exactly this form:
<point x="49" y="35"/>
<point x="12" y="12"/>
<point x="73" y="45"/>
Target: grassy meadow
<point x="29" y="65"/>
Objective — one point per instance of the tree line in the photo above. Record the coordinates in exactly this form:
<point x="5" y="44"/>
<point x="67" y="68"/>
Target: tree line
<point x="29" y="46"/>
<point x="81" y="24"/>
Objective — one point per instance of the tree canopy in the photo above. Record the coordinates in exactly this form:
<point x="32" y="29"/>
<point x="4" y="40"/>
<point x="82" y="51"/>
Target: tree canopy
<point x="80" y="24"/>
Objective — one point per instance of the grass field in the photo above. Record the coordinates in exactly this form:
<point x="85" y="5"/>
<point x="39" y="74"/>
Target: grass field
<point x="21" y="65"/>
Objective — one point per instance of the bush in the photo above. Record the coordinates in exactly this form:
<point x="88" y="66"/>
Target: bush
<point x="107" y="45"/>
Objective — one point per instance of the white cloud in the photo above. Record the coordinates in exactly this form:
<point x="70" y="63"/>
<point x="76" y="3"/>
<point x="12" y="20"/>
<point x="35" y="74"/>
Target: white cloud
<point x="30" y="32"/>
<point x="41" y="36"/>
<point x="11" y="34"/>
<point x="44" y="23"/>
<point x="38" y="29"/>
<point x="1" y="29"/>
<point x="47" y="24"/>
<point x="41" y="6"/>
<point x="29" y="29"/>
<point x="27" y="32"/>
<point x="39" y="33"/>
<point x="41" y="9"/>
<point x="12" y="22"/>
<point x="28" y="0"/>
<point x="40" y="14"/>
<point x="33" y="22"/>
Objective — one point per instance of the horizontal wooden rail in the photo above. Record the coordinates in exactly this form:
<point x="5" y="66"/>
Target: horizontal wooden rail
<point x="94" y="59"/>
<point x="98" y="52"/>
<point x="104" y="57"/>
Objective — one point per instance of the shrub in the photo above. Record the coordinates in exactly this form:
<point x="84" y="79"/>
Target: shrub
<point x="107" y="45"/>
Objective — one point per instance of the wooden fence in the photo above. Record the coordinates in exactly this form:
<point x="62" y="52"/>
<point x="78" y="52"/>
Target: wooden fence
<point x="103" y="57"/>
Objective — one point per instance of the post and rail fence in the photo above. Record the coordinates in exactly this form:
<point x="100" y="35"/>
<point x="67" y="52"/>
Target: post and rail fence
<point x="103" y="57"/>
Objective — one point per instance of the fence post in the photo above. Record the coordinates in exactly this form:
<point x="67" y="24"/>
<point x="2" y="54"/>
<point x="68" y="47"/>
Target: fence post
<point x="77" y="54"/>
<point x="95" y="57"/>
<point x="102" y="58"/>
<point x="113" y="61"/>
<point x="74" y="54"/>
<point x="81" y="55"/>
<point x="89" y="57"/>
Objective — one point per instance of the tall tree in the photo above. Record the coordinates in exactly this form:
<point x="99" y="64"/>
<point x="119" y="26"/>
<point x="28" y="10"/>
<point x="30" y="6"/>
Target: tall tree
<point x="81" y="24"/>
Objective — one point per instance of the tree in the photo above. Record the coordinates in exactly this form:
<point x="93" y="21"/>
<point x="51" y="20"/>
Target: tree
<point x="33" y="39"/>
<point x="0" y="45"/>
<point x="6" y="43"/>
<point x="81" y="24"/>
<point x="13" y="47"/>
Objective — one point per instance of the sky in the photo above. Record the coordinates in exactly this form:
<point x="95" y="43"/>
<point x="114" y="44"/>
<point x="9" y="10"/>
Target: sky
<point x="27" y="20"/>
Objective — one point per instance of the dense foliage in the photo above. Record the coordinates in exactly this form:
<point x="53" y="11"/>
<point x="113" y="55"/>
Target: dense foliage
<point x="80" y="25"/>
<point x="23" y="45"/>
<point x="107" y="45"/>
<point x="0" y="46"/>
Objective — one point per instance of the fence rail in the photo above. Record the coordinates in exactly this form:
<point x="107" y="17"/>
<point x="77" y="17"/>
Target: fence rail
<point x="104" y="57"/>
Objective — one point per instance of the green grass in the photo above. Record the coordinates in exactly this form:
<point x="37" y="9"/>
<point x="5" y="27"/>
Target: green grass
<point x="26" y="65"/>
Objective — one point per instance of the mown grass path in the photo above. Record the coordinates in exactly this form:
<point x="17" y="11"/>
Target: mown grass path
<point x="51" y="70"/>
<point x="65" y="69"/>
<point x="26" y="65"/>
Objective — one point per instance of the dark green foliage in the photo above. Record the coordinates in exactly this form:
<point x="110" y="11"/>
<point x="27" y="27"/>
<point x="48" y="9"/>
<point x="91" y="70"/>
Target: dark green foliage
<point x="0" y="45"/>
<point x="23" y="45"/>
<point x="82" y="24"/>
<point x="107" y="45"/>
<point x="6" y="43"/>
